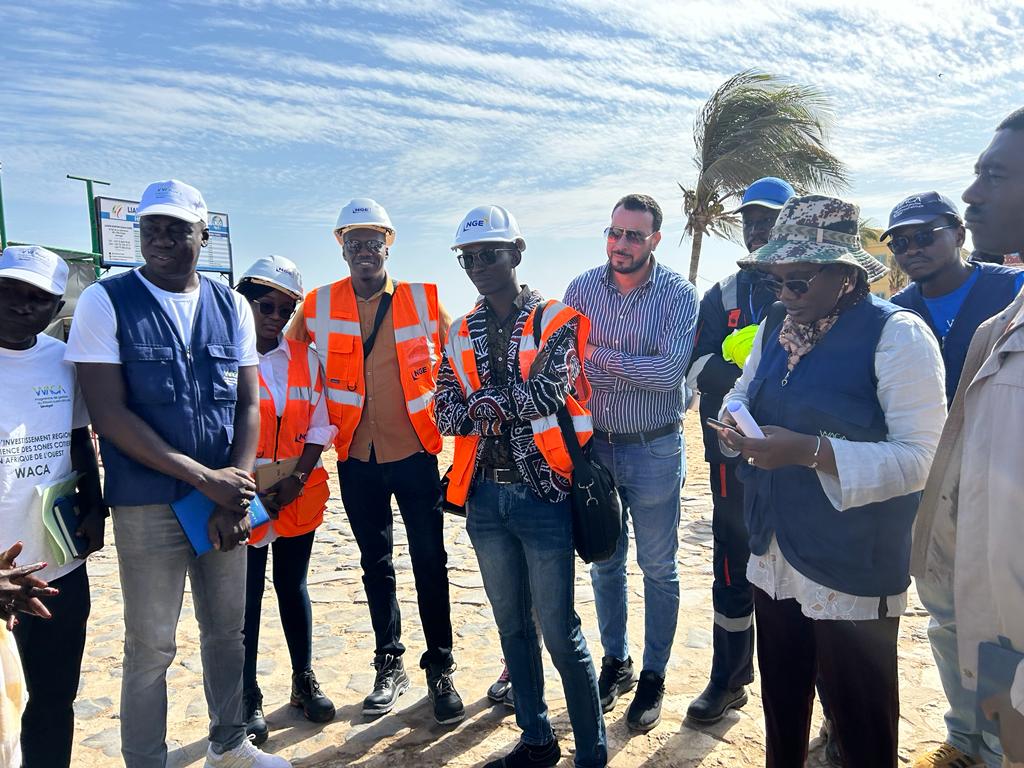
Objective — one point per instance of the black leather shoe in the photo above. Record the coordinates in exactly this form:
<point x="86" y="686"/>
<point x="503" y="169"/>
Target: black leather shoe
<point x="252" y="714"/>
<point x="644" y="712"/>
<point x="390" y="683"/>
<point x="447" y="703"/>
<point x="714" y="702"/>
<point x="527" y="756"/>
<point x="616" y="677"/>
<point x="306" y="693"/>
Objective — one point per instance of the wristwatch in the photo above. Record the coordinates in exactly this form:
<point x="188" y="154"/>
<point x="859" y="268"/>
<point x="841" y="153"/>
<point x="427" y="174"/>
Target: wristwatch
<point x="302" y="476"/>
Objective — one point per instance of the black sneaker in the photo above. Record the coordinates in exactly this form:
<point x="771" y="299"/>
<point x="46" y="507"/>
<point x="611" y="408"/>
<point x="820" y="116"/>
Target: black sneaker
<point x="501" y="686"/>
<point x="645" y="711"/>
<point x="252" y="714"/>
<point x="390" y="683"/>
<point x="616" y="678"/>
<point x="527" y="756"/>
<point x="447" y="703"/>
<point x="306" y="693"/>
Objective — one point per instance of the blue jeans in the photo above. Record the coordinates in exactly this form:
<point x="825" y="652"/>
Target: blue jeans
<point x="153" y="557"/>
<point x="961" y="728"/>
<point x="524" y="547"/>
<point x="649" y="476"/>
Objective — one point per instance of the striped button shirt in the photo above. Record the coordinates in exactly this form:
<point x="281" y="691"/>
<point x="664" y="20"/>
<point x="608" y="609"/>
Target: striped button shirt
<point x="644" y="341"/>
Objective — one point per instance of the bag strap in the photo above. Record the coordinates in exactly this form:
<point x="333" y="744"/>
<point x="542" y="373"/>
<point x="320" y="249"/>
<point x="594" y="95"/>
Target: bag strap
<point x="382" y="310"/>
<point x="773" y="320"/>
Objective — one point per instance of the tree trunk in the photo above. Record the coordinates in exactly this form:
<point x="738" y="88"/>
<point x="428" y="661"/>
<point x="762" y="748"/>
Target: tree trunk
<point x="698" y="237"/>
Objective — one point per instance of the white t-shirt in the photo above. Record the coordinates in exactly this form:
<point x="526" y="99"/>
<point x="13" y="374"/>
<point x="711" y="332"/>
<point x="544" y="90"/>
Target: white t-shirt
<point x="40" y="406"/>
<point x="93" y="336"/>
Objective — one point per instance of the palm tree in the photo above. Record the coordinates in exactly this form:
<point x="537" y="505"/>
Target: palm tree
<point x="755" y="125"/>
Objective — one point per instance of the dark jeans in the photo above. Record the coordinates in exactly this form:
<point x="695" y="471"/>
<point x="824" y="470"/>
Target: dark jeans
<point x="731" y="594"/>
<point x="291" y="564"/>
<point x="51" y="655"/>
<point x="855" y="664"/>
<point x="366" y="491"/>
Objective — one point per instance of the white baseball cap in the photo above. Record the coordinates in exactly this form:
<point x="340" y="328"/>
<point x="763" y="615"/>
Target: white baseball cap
<point x="173" y="198"/>
<point x="36" y="266"/>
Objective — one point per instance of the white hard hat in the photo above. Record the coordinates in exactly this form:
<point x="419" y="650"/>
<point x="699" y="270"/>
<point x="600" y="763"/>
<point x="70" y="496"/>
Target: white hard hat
<point x="488" y="224"/>
<point x="364" y="212"/>
<point x="276" y="272"/>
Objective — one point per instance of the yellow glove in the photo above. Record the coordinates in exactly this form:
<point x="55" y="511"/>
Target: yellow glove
<point x="737" y="345"/>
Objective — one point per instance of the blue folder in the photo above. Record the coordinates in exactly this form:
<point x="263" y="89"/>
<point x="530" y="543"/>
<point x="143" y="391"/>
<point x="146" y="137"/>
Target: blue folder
<point x="193" y="513"/>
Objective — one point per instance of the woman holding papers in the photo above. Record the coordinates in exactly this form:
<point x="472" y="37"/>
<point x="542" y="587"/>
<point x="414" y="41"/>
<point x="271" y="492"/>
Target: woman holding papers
<point x="849" y="392"/>
<point x="294" y="428"/>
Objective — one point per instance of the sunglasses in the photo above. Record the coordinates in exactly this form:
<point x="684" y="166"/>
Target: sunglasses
<point x="633" y="237"/>
<point x="796" y="287"/>
<point x="267" y="309"/>
<point x="353" y="247"/>
<point x="923" y="238"/>
<point x="486" y="256"/>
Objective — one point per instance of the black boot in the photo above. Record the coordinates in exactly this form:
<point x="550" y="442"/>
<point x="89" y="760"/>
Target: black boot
<point x="306" y="693"/>
<point x="644" y="712"/>
<point x="714" y="702"/>
<point x="252" y="715"/>
<point x="390" y="683"/>
<point x="447" y="703"/>
<point x="616" y="677"/>
<point x="527" y="756"/>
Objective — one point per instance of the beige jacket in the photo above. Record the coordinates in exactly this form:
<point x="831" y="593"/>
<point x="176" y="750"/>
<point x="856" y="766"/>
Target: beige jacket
<point x="972" y="510"/>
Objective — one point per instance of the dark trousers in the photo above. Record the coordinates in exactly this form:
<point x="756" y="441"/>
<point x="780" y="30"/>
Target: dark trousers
<point x="291" y="565"/>
<point x="731" y="594"/>
<point x="51" y="655"/>
<point x="366" y="491"/>
<point x="855" y="664"/>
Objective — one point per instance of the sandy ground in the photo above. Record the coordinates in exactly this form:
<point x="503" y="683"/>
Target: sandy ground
<point x="343" y="650"/>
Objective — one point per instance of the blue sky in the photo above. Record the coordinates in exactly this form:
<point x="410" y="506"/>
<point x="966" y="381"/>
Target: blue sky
<point x="282" y="110"/>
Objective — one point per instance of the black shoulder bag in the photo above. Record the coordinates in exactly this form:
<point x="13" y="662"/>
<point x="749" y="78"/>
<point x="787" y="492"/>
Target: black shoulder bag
<point x="596" y="507"/>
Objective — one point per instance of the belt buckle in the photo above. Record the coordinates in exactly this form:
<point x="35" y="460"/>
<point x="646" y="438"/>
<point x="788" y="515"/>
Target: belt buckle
<point x="502" y="472"/>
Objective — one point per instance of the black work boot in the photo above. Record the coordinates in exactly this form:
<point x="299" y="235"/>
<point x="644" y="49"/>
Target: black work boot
<point x="714" y="702"/>
<point x="252" y="715"/>
<point x="616" y="678"/>
<point x="390" y="683"/>
<point x="306" y="693"/>
<point x="645" y="711"/>
<point x="447" y="703"/>
<point x="527" y="756"/>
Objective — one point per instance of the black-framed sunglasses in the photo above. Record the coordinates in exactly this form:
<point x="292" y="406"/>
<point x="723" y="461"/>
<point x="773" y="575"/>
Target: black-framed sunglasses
<point x="353" y="247"/>
<point x="633" y="236"/>
<point x="486" y="256"/>
<point x="922" y="238"/>
<point x="796" y="287"/>
<point x="268" y="308"/>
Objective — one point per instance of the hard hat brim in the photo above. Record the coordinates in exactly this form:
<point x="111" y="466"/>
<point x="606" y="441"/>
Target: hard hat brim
<point x="519" y="241"/>
<point x="271" y="284"/>
<point x="389" y="234"/>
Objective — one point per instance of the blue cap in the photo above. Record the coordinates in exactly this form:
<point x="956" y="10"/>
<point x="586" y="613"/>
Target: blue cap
<point x="920" y="209"/>
<point x="768" y="192"/>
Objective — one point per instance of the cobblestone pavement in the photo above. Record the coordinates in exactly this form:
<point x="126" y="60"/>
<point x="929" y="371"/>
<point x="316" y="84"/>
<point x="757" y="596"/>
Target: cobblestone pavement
<point x="343" y="650"/>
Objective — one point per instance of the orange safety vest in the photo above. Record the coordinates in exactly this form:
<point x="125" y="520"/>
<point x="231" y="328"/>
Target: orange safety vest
<point x="332" y="320"/>
<point x="546" y="433"/>
<point x="285" y="438"/>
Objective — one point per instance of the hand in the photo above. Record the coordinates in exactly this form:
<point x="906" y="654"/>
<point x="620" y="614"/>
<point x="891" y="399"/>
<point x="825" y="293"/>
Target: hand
<point x="19" y="590"/>
<point x="1011" y="725"/>
<point x="91" y="529"/>
<point x="281" y="494"/>
<point x="589" y="350"/>
<point x="227" y="528"/>
<point x="229" y="487"/>
<point x="539" y="362"/>
<point x="779" y="448"/>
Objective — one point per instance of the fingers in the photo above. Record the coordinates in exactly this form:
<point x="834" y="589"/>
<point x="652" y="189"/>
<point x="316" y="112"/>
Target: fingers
<point x="8" y="557"/>
<point x="25" y="570"/>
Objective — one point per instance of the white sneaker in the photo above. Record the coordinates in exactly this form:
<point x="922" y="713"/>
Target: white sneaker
<point x="245" y="755"/>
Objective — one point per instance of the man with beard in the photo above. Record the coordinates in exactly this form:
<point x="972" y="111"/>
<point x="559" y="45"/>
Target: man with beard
<point x="730" y="313"/>
<point x="969" y="526"/>
<point x="642" y="316"/>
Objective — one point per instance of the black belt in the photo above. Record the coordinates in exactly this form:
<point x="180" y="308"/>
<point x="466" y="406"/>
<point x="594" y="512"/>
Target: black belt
<point x="501" y="475"/>
<point x="624" y="438"/>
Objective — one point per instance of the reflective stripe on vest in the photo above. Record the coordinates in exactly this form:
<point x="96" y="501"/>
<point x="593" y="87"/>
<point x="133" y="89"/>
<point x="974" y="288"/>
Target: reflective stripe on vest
<point x="332" y="319"/>
<point x="286" y="439"/>
<point x="547" y="435"/>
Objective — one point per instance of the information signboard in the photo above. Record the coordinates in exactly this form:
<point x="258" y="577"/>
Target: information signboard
<point x="120" y="244"/>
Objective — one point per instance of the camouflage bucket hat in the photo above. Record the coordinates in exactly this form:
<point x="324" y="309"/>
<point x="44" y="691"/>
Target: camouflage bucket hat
<point x="816" y="229"/>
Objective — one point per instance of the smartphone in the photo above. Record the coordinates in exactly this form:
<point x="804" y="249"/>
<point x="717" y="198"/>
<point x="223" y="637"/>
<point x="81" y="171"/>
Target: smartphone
<point x="716" y="424"/>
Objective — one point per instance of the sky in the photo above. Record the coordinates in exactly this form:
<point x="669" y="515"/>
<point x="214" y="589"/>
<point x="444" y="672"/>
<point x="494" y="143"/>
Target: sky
<point x="282" y="110"/>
